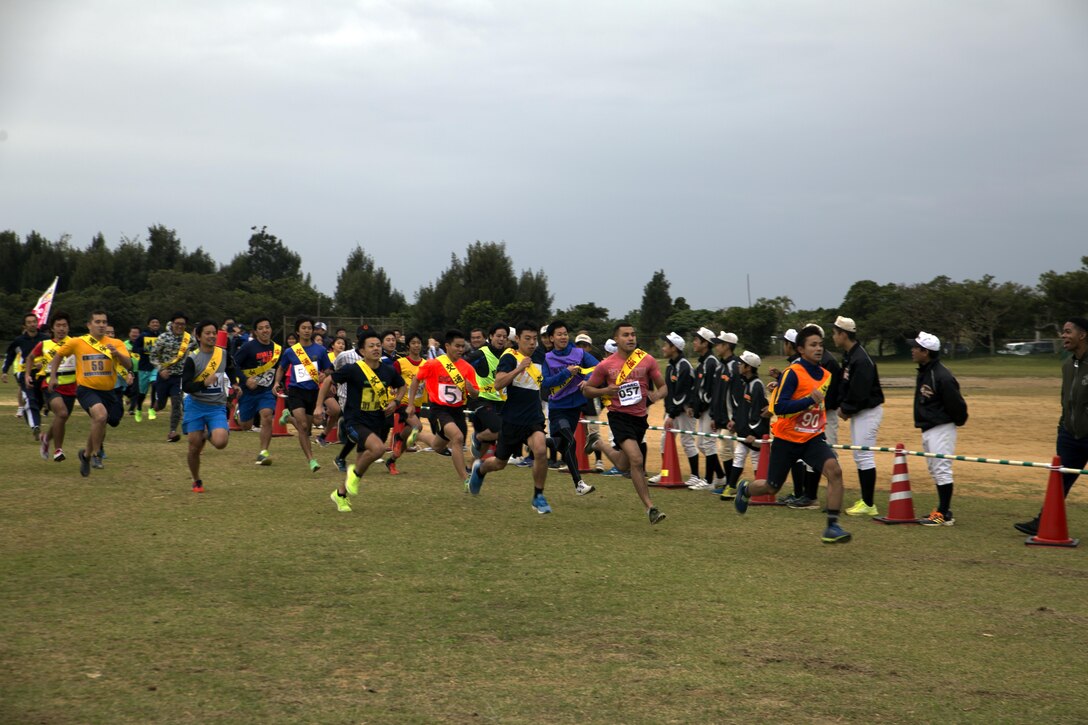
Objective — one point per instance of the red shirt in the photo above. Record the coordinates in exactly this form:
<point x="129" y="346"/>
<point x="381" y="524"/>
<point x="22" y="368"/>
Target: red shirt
<point x="440" y="386"/>
<point x="632" y="400"/>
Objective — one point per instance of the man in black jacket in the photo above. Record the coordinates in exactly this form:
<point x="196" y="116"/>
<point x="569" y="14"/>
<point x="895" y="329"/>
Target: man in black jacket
<point x="939" y="408"/>
<point x="862" y="403"/>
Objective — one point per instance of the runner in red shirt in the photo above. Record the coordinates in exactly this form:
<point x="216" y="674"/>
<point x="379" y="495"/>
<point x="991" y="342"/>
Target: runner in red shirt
<point x="624" y="381"/>
<point x="450" y="381"/>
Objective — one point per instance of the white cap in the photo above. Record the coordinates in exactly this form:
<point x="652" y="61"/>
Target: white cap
<point x="513" y="332"/>
<point x="846" y="324"/>
<point x="583" y="338"/>
<point x="750" y="358"/>
<point x="724" y="336"/>
<point x="928" y="341"/>
<point x="610" y="346"/>
<point x="675" y="339"/>
<point x="818" y="327"/>
<point x="320" y="326"/>
<point x="706" y="334"/>
<point x="790" y="335"/>
<point x="544" y="330"/>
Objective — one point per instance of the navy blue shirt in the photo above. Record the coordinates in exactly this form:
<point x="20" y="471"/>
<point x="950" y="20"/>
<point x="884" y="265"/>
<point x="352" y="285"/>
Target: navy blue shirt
<point x="522" y="406"/>
<point x="362" y="406"/>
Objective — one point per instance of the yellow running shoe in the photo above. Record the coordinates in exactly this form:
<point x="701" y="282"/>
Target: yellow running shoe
<point x="861" y="509"/>
<point x="342" y="503"/>
<point x="151" y="414"/>
<point x="352" y="482"/>
<point x="138" y="415"/>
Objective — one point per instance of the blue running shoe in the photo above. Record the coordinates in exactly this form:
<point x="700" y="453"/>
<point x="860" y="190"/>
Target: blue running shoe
<point x="475" y="446"/>
<point x="475" y="479"/>
<point x="613" y="471"/>
<point x="341" y="465"/>
<point x="717" y="490"/>
<point x="540" y="504"/>
<point x="740" y="503"/>
<point x="526" y="462"/>
<point x="834" y="534"/>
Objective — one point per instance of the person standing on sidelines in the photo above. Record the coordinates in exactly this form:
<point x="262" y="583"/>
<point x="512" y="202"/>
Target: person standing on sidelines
<point x="680" y="386"/>
<point x="799" y="433"/>
<point x="939" y="408"/>
<point x="19" y="357"/>
<point x="1072" y="443"/>
<point x="751" y="421"/>
<point x="97" y="359"/>
<point x="450" y="382"/>
<point x="862" y="403"/>
<point x="256" y="362"/>
<point x="205" y="379"/>
<point x="724" y="393"/>
<point x="168" y="355"/>
<point x="565" y="399"/>
<point x="623" y="380"/>
<point x="300" y="369"/>
<point x="707" y="373"/>
<point x="372" y="387"/>
<point x="62" y="399"/>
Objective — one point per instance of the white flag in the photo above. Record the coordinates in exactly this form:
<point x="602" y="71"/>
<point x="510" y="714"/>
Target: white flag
<point x="45" y="302"/>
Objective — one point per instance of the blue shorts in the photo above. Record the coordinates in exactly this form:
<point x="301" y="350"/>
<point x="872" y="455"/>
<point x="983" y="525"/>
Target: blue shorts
<point x="202" y="416"/>
<point x="253" y="402"/>
<point x="143" y="379"/>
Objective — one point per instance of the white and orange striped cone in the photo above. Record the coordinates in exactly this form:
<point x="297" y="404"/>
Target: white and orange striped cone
<point x="900" y="502"/>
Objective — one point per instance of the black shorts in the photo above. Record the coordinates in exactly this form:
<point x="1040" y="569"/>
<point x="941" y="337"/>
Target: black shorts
<point x="513" y="436"/>
<point x="359" y="429"/>
<point x="487" y="416"/>
<point x="69" y="400"/>
<point x="628" y="428"/>
<point x="115" y="408"/>
<point x="301" y="398"/>
<point x="570" y="415"/>
<point x="589" y="408"/>
<point x="815" y="452"/>
<point x="440" y="415"/>
<point x="167" y="387"/>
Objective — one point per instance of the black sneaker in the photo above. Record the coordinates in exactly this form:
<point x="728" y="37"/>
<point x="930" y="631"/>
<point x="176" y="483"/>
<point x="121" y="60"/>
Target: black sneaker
<point x="1031" y="528"/>
<point x="84" y="463"/>
<point x="655" y="516"/>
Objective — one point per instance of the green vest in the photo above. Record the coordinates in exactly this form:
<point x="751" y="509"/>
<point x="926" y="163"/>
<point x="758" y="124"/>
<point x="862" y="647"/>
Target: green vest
<point x="487" y="384"/>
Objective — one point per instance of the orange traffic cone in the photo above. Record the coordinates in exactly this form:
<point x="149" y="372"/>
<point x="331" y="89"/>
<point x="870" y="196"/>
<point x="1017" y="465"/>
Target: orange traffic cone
<point x="900" y="502"/>
<point x="1053" y="530"/>
<point x="232" y="415"/>
<point x="278" y="429"/>
<point x="332" y="435"/>
<point x="580" y="448"/>
<point x="764" y="466"/>
<point x="670" y="464"/>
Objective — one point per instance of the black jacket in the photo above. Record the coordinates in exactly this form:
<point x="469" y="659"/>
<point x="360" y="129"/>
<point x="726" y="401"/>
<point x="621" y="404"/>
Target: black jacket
<point x="937" y="397"/>
<point x="834" y="391"/>
<point x="706" y="375"/>
<point x="860" y="389"/>
<point x="679" y="386"/>
<point x="727" y="390"/>
<point x="748" y="417"/>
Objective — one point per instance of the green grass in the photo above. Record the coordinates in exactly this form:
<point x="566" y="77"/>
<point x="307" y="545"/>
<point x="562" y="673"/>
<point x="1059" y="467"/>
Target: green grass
<point x="126" y="598"/>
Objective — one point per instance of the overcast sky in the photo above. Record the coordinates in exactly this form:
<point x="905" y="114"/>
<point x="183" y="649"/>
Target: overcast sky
<point x="808" y="144"/>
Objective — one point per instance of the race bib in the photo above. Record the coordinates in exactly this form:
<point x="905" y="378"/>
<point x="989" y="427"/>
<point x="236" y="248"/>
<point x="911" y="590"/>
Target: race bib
<point x="449" y="394"/>
<point x="96" y="366"/>
<point x="630" y="393"/>
<point x="811" y="420"/>
<point x="301" y="374"/>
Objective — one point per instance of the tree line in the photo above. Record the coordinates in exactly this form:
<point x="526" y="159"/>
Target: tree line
<point x="136" y="279"/>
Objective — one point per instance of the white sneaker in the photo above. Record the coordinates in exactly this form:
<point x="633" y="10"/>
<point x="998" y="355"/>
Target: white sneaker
<point x="583" y="488"/>
<point x="563" y="468"/>
<point x="514" y="460"/>
<point x="697" y="484"/>
<point x="600" y="465"/>
<point x="654" y="479"/>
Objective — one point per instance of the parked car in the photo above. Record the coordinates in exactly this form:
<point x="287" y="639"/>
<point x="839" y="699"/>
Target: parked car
<point x="1035" y="347"/>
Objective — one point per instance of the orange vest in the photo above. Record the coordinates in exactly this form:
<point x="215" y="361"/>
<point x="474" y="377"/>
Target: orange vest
<point x="808" y="423"/>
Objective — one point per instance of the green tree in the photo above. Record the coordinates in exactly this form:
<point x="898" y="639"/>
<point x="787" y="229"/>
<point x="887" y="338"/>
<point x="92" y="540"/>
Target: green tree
<point x="1064" y="294"/>
<point x="656" y="306"/>
<point x="267" y="258"/>
<point x="363" y="288"/>
<point x="163" y="248"/>
<point x="533" y="288"/>
<point x="94" y="266"/>
<point x="480" y="313"/>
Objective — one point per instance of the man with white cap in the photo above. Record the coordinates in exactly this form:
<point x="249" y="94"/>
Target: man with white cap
<point x="591" y="409"/>
<point x="724" y="395"/>
<point x="751" y="420"/>
<point x="679" y="397"/>
<point x="706" y="376"/>
<point x="939" y="408"/>
<point x="862" y="403"/>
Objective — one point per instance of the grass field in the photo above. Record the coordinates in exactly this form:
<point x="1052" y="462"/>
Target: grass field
<point x="126" y="598"/>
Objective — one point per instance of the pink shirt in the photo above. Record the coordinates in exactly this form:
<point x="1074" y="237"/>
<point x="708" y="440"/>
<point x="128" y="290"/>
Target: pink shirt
<point x="647" y="370"/>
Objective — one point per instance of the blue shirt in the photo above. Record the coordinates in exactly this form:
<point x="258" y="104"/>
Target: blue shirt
<point x="297" y="377"/>
<point x="522" y="406"/>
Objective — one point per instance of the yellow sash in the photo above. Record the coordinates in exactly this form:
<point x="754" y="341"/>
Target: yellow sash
<point x="454" y="373"/>
<point x="182" y="349"/>
<point x="253" y="372"/>
<point x="533" y="369"/>
<point x="311" y="368"/>
<point x="381" y="393"/>
<point x="555" y="390"/>
<point x="97" y="345"/>
<point x="632" y="362"/>
<point x="212" y="366"/>
<point x="49" y="351"/>
<point x="408" y="371"/>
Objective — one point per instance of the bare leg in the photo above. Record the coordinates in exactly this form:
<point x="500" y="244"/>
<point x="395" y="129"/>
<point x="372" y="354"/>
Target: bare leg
<point x="60" y="421"/>
<point x="539" y="448"/>
<point x="266" y="428"/>
<point x="633" y="453"/>
<point x="303" y="424"/>
<point x="372" y="450"/>
<point x="196" y="445"/>
<point x="833" y="474"/>
<point x="457" y="449"/>
<point x="98" y="429"/>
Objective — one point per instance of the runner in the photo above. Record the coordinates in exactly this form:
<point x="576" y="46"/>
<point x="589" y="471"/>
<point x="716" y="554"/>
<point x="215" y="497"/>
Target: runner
<point x="63" y="398"/>
<point x="97" y="359"/>
<point x="168" y="355"/>
<point x="205" y="378"/>
<point x="565" y="399"/>
<point x="623" y="379"/>
<point x="798" y="401"/>
<point x="347" y="357"/>
<point x="22" y="347"/>
<point x="146" y="372"/>
<point x="300" y="369"/>
<point x="486" y="418"/>
<point x="389" y="346"/>
<point x="449" y="381"/>
<point x="372" y="389"/>
<point x="256" y="362"/>
<point x="406" y="427"/>
<point x="327" y="410"/>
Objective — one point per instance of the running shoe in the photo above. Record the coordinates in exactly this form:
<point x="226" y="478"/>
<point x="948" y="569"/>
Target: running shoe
<point x="740" y="500"/>
<point x="102" y="453"/>
<point x="591" y="444"/>
<point x="554" y="465"/>
<point x="342" y="503"/>
<point x="151" y="414"/>
<point x="45" y="449"/>
<point x="525" y="463"/>
<point x="198" y="487"/>
<point x="656" y="478"/>
<point x="583" y="488"/>
<point x="728" y="493"/>
<point x="655" y="516"/>
<point x="264" y="458"/>
<point x="391" y="466"/>
<point x="936" y="518"/>
<point x="285" y="416"/>
<point x="563" y="468"/>
<point x="803" y="502"/>
<point x="476" y="478"/>
<point x="475" y="446"/>
<point x="84" y="463"/>
<point x="19" y="412"/>
<point x="314" y="465"/>
<point x="37" y="431"/>
<point x="96" y="462"/>
<point x="58" y="455"/>
<point x="514" y="460"/>
<point x="351" y="483"/>
<point x="599" y="466"/>
<point x="173" y="437"/>
<point x="613" y="471"/>
<point x="445" y="452"/>
<point x="834" y="534"/>
<point x="322" y="441"/>
<point x="1031" y="528"/>
<point x="862" y="509"/>
<point x="341" y="465"/>
<point x="540" y="504"/>
<point x="138" y="415"/>
<point x="412" y="437"/>
<point x="696" y="483"/>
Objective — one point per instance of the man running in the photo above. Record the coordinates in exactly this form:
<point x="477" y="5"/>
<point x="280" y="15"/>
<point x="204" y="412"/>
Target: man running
<point x="97" y="359"/>
<point x="300" y="368"/>
<point x="168" y="355"/>
<point x="146" y="372"/>
<point x="623" y="379"/>
<point x="22" y="347"/>
<point x="406" y="427"/>
<point x="62" y="399"/>
<point x="205" y="378"/>
<point x="372" y="389"/>
<point x="565" y="399"/>
<point x="798" y="401"/>
<point x="256" y="363"/>
<point x="486" y="418"/>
